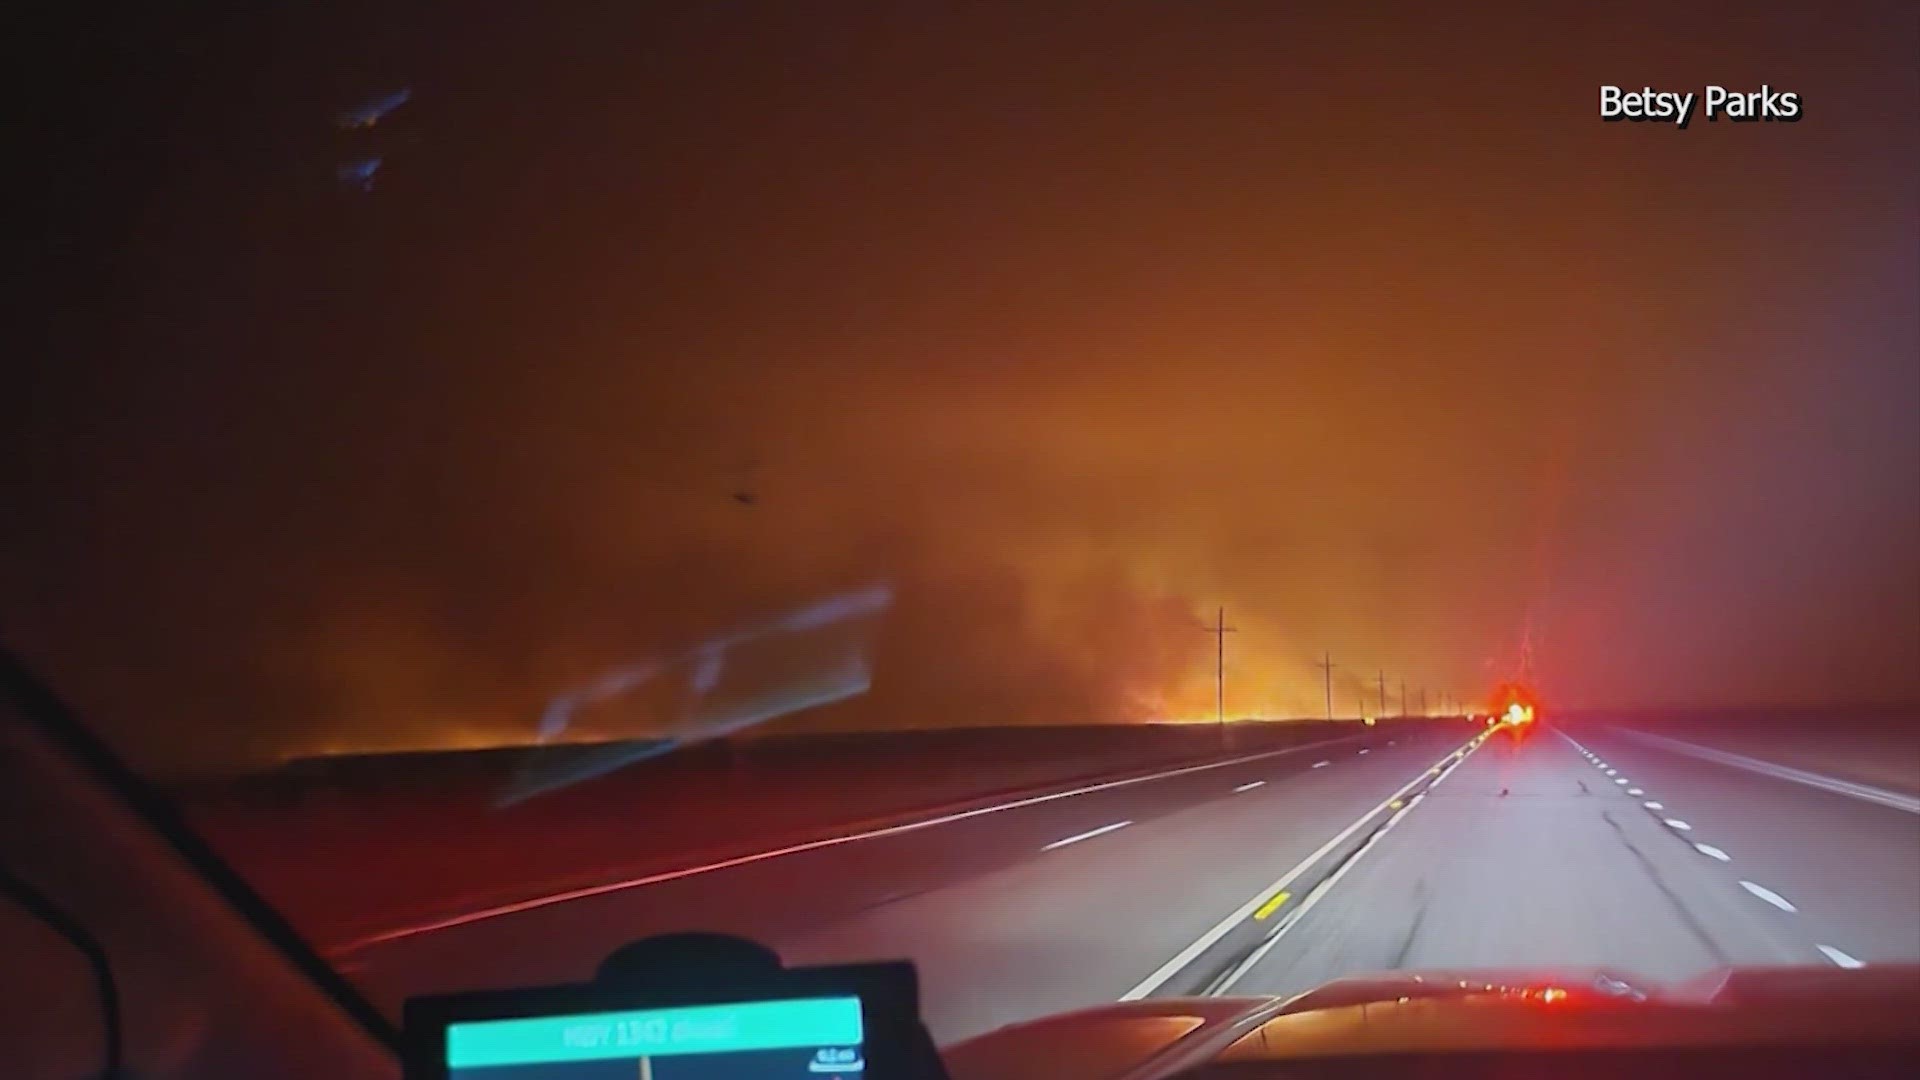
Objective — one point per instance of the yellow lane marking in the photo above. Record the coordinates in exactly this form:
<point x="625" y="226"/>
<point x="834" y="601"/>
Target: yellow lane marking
<point x="1238" y="917"/>
<point x="1272" y="905"/>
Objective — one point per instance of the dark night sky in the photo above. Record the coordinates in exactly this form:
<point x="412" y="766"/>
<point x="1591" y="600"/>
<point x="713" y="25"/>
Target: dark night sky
<point x="1069" y="321"/>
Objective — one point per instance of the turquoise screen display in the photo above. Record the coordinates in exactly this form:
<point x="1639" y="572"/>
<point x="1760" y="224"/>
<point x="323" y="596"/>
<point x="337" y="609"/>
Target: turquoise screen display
<point x="752" y="1040"/>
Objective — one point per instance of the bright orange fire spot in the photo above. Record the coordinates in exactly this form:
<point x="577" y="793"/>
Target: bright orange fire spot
<point x="1515" y="704"/>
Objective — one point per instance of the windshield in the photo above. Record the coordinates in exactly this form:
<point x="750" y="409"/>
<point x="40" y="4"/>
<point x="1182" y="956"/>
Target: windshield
<point x="1106" y="504"/>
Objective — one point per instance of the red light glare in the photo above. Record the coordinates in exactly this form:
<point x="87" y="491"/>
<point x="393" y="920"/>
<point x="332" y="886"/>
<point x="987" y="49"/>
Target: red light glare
<point x="1515" y="705"/>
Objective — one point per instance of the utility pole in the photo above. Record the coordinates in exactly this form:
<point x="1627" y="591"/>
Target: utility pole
<point x="1383" y="693"/>
<point x="1326" y="669"/>
<point x="1220" y="631"/>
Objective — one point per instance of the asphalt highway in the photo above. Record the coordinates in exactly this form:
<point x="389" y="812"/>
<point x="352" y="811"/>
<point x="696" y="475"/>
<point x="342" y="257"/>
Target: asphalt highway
<point x="1427" y="848"/>
<point x="1592" y="850"/>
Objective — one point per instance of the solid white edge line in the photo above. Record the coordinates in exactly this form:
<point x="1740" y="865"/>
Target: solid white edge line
<point x="1225" y="926"/>
<point x="1840" y="958"/>
<point x="1088" y="835"/>
<point x="1768" y="895"/>
<point x="1895" y="799"/>
<point x="534" y="903"/>
<point x="1248" y="787"/>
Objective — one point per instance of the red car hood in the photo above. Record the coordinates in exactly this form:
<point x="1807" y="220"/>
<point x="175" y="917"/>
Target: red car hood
<point x="1429" y="1011"/>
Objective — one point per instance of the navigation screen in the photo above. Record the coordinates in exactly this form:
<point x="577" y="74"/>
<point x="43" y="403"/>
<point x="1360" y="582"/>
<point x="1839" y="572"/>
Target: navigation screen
<point x="751" y="1040"/>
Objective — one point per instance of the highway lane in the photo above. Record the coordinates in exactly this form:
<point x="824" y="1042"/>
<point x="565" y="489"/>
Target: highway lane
<point x="1537" y="855"/>
<point x="1009" y="914"/>
<point x="1082" y="925"/>
<point x="1851" y="866"/>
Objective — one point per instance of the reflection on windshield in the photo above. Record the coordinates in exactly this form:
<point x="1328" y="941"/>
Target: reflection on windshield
<point x="844" y="675"/>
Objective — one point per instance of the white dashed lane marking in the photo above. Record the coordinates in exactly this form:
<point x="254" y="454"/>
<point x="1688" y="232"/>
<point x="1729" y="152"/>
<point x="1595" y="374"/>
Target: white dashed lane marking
<point x="1088" y="835"/>
<point x="1768" y="895"/>
<point x="1839" y="957"/>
